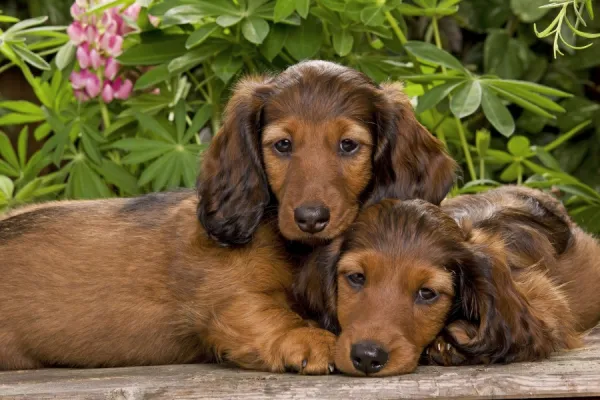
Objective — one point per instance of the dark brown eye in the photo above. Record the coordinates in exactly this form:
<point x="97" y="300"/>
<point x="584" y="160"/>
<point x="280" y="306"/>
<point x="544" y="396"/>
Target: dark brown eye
<point x="356" y="280"/>
<point x="426" y="296"/>
<point x="283" y="146"/>
<point x="348" y="146"/>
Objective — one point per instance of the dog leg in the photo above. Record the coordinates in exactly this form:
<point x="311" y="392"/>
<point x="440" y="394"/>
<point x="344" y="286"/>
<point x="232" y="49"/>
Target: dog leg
<point x="259" y="332"/>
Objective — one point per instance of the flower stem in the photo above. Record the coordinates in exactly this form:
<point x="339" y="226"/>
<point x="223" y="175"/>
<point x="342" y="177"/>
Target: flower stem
<point x="465" y="147"/>
<point x="105" y="115"/>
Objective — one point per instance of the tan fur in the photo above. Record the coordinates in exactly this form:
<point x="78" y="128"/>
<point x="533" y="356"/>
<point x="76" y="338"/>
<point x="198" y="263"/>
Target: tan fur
<point x="106" y="283"/>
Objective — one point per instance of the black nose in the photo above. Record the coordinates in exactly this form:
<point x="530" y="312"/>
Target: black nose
<point x="312" y="218"/>
<point x="368" y="357"/>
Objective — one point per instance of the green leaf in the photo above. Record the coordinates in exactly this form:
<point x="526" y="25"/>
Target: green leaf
<point x="8" y="19"/>
<point x="194" y="57"/>
<point x="200" y="35"/>
<point x="30" y="57"/>
<point x="140" y="157"/>
<point x="497" y="113"/>
<point x="228" y="20"/>
<point x="22" y="106"/>
<point x="148" y="123"/>
<point x="508" y="84"/>
<point x="529" y="11"/>
<point x="26" y="192"/>
<point x="119" y="176"/>
<point x="283" y="9"/>
<point x="466" y="99"/>
<point x="200" y="119"/>
<point x="18" y="119"/>
<point x="546" y="158"/>
<point x="255" y="29"/>
<point x="153" y="77"/>
<point x="504" y="56"/>
<point x="19" y="26"/>
<point x="272" y="46"/>
<point x="518" y="146"/>
<point x="432" y="97"/>
<point x="91" y="149"/>
<point x="302" y="7"/>
<point x="522" y="102"/>
<point x="304" y="42"/>
<point x="157" y="51"/>
<point x="7" y="186"/>
<point x="180" y="117"/>
<point x="22" y="146"/>
<point x="152" y="171"/>
<point x="7" y="152"/>
<point x="431" y="53"/>
<point x="511" y="173"/>
<point x="225" y="66"/>
<point x="372" y="16"/>
<point x="65" y="55"/>
<point x="342" y="41"/>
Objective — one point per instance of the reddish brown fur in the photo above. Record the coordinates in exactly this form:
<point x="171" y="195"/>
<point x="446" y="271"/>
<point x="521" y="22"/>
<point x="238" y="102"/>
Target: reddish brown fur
<point x="136" y="282"/>
<point x="315" y="105"/>
<point x="516" y="278"/>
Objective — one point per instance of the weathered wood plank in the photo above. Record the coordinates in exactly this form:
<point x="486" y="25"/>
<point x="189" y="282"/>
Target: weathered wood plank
<point x="569" y="374"/>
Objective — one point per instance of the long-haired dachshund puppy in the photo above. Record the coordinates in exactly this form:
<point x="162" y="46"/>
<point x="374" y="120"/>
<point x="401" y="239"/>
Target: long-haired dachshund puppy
<point x="312" y="145"/>
<point x="496" y="277"/>
<point x="141" y="281"/>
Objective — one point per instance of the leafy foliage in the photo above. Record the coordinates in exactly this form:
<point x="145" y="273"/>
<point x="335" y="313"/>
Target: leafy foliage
<point x="484" y="79"/>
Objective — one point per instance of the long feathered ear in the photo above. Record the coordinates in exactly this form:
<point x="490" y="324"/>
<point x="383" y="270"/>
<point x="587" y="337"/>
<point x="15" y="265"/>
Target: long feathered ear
<point x="315" y="286"/>
<point x="232" y="185"/>
<point x="409" y="162"/>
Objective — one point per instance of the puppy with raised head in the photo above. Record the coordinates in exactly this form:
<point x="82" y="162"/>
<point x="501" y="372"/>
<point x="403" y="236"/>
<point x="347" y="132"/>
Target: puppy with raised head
<point x="500" y="276"/>
<point x="143" y="281"/>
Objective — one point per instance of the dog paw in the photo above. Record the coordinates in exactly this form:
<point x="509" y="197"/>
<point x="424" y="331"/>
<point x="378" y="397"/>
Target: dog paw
<point x="309" y="351"/>
<point x="441" y="352"/>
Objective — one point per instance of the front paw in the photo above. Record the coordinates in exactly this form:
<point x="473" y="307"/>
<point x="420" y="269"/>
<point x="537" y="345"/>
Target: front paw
<point x="440" y="352"/>
<point x="308" y="351"/>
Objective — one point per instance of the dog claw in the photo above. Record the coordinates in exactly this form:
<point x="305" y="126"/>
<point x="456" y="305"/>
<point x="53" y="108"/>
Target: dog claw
<point x="427" y="351"/>
<point x="304" y="363"/>
<point x="331" y="368"/>
<point x="448" y="346"/>
<point x="439" y="347"/>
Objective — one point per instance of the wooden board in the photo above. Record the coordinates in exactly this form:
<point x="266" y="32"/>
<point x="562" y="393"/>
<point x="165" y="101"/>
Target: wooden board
<point x="568" y="374"/>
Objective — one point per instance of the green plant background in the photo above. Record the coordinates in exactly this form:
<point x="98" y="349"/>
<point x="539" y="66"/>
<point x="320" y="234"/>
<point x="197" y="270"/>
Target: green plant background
<point x="511" y="105"/>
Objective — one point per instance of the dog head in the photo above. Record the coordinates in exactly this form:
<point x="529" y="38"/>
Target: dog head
<point x="315" y="143"/>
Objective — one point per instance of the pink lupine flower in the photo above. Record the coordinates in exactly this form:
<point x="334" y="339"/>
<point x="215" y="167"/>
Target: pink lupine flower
<point x="122" y="89"/>
<point x="99" y="40"/>
<point x="76" y="11"/>
<point x="91" y="33"/>
<point x="155" y="21"/>
<point x="83" y="55"/>
<point x="111" y="69"/>
<point x="108" y="94"/>
<point x="76" y="33"/>
<point x="96" y="59"/>
<point x="80" y="95"/>
<point x="133" y="11"/>
<point x="92" y="85"/>
<point x="78" y="79"/>
<point x="112" y="44"/>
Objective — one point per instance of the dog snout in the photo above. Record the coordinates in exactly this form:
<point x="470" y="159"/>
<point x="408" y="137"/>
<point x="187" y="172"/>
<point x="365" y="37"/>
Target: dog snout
<point x="312" y="218"/>
<point x="368" y="357"/>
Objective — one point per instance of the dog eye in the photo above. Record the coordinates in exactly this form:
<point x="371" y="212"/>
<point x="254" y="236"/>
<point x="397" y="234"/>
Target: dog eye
<point x="283" y="146"/>
<point x="356" y="280"/>
<point x="348" y="146"/>
<point x="426" y="296"/>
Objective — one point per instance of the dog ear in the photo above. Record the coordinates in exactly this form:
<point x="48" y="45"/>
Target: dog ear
<point x="315" y="286"/>
<point x="409" y="162"/>
<point x="232" y="185"/>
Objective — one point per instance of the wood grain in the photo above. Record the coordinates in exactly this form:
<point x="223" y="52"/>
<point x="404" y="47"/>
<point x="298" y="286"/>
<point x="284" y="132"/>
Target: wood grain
<point x="568" y="374"/>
